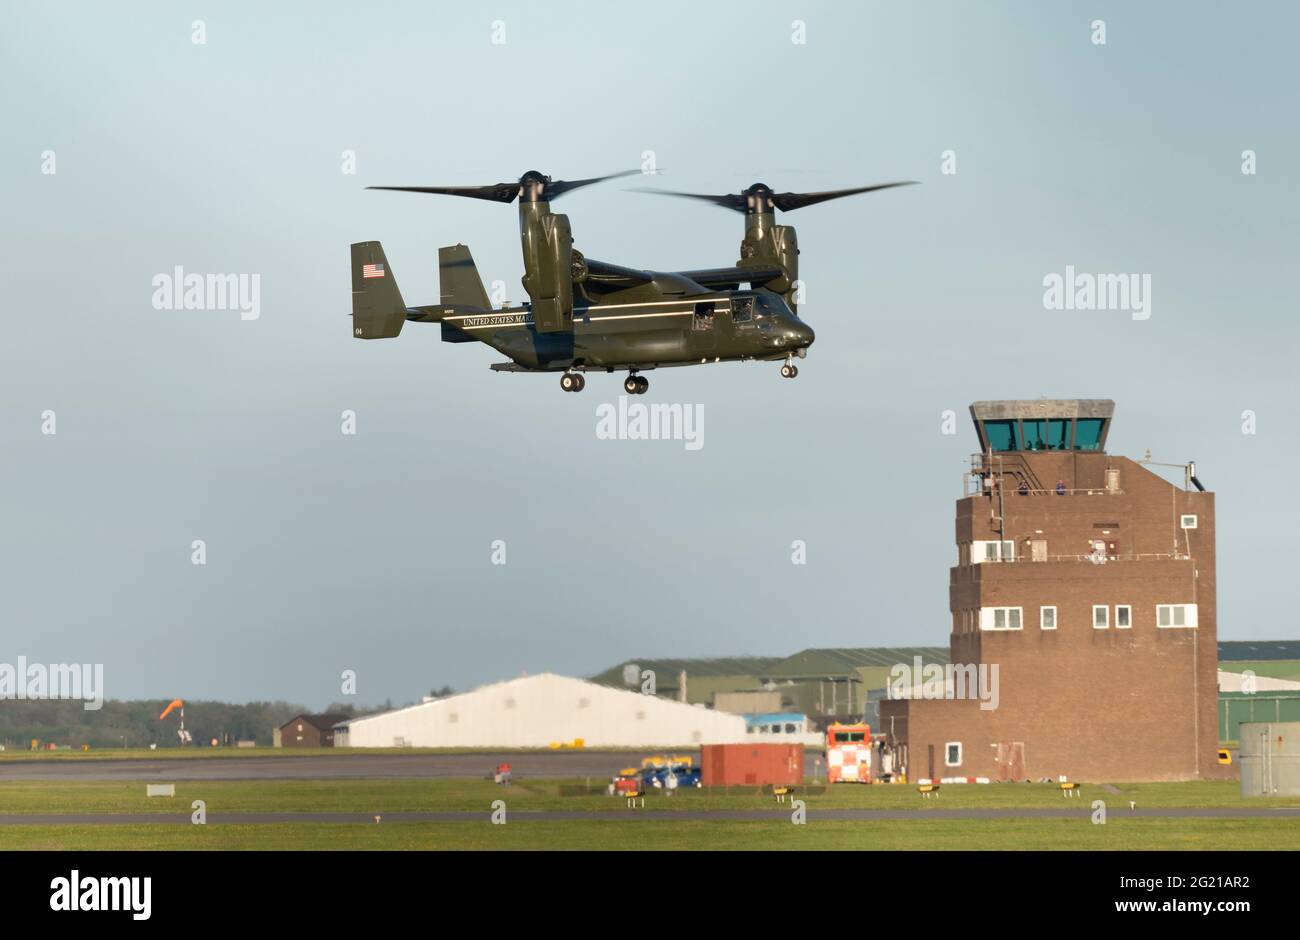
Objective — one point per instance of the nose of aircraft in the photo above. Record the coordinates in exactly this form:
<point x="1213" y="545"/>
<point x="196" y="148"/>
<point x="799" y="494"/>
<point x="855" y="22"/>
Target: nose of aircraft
<point x="803" y="334"/>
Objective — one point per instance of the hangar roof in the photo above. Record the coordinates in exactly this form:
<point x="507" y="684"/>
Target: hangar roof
<point x="667" y="670"/>
<point x="845" y="661"/>
<point x="1238" y="650"/>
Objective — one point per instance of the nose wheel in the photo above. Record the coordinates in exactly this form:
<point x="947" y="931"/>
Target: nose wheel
<point x="789" y="370"/>
<point x="636" y="384"/>
<point x="573" y="381"/>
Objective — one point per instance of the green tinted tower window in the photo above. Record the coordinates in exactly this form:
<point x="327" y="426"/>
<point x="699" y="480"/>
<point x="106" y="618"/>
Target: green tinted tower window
<point x="1087" y="433"/>
<point x="1001" y="435"/>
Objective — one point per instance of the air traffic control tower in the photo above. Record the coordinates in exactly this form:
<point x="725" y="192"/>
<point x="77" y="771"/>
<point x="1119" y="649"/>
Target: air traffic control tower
<point x="1089" y="582"/>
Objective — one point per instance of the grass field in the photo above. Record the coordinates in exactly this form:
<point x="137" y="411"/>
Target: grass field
<point x="641" y="835"/>
<point x="658" y="826"/>
<point x="452" y="794"/>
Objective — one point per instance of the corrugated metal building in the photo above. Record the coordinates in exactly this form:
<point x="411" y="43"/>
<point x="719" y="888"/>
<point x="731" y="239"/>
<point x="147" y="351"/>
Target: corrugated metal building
<point x="1270" y="759"/>
<point x="830" y="683"/>
<point x="1237" y="708"/>
<point x="703" y="677"/>
<point x="537" y="711"/>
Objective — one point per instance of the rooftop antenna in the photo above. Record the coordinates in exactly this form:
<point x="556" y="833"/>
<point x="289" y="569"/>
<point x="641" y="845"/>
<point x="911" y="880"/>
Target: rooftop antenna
<point x="1189" y="470"/>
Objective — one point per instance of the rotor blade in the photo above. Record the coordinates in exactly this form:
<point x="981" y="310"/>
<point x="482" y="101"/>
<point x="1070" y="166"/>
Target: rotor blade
<point x="788" y="202"/>
<point x="556" y="188"/>
<point x="729" y="201"/>
<point x="501" y="192"/>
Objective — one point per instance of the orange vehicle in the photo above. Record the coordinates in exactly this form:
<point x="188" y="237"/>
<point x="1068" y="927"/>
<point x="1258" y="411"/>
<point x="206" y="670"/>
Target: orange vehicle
<point x="627" y="783"/>
<point x="848" y="753"/>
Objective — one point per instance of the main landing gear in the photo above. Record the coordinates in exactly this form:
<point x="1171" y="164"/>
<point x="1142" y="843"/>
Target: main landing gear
<point x="636" y="384"/>
<point x="573" y="381"/>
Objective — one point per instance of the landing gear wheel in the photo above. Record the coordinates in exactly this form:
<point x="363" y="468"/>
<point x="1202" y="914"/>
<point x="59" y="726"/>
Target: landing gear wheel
<point x="632" y="385"/>
<point x="582" y="382"/>
<point x="787" y="371"/>
<point x="569" y="382"/>
<point x="794" y="371"/>
<point x="642" y="385"/>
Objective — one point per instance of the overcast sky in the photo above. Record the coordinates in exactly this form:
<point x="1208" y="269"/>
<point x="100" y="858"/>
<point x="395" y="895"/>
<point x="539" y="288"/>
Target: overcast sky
<point x="372" y="552"/>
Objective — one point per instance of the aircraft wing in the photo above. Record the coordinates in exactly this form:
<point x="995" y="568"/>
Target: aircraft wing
<point x="733" y="277"/>
<point x="602" y="274"/>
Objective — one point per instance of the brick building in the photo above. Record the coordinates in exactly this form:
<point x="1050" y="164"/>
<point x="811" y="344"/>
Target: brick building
<point x="309" y="730"/>
<point x="1089" y="582"/>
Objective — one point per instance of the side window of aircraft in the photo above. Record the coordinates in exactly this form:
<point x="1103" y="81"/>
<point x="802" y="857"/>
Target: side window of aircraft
<point x="704" y="316"/>
<point x="742" y="309"/>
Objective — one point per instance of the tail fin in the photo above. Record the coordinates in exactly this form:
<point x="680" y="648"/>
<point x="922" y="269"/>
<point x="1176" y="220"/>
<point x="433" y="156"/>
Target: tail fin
<point x="378" y="311"/>
<point x="459" y="281"/>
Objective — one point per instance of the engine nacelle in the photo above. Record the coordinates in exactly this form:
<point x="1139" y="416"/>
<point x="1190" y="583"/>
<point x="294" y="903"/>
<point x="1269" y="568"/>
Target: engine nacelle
<point x="766" y="244"/>
<point x="548" y="275"/>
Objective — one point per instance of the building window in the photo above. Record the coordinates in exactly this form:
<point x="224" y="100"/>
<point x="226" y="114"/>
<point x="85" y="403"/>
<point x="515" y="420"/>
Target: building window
<point x="1123" y="617"/>
<point x="1087" y="433"/>
<point x="1188" y="522"/>
<point x="993" y="551"/>
<point x="1000" y="618"/>
<point x="952" y="754"/>
<point x="1047" y="618"/>
<point x="1100" y="616"/>
<point x="1001" y="435"/>
<point x="1175" y="615"/>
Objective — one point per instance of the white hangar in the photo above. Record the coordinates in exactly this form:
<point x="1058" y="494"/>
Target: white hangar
<point x="536" y="711"/>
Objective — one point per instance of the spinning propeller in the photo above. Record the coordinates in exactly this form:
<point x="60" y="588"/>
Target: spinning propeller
<point x="531" y="187"/>
<point x="760" y="198"/>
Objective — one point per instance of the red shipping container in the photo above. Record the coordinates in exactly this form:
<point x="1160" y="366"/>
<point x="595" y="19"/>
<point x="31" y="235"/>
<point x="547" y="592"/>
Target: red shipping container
<point x="751" y="765"/>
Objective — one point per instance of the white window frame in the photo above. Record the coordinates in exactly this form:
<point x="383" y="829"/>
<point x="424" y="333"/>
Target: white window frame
<point x="1189" y="617"/>
<point x="1106" y="611"/>
<point x="947" y="745"/>
<point x="1124" y="626"/>
<point x="1042" y="620"/>
<point x="988" y="617"/>
<point x="1184" y="524"/>
<point x="1002" y="551"/>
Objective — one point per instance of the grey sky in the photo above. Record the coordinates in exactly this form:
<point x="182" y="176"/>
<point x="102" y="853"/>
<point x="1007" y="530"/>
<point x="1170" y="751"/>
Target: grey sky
<point x="371" y="552"/>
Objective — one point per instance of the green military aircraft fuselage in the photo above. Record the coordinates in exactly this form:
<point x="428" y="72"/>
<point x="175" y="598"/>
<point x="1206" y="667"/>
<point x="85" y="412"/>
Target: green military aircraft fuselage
<point x="586" y="315"/>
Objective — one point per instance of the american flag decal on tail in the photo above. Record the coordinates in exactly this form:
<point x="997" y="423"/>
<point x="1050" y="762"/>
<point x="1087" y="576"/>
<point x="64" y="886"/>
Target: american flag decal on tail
<point x="372" y="270"/>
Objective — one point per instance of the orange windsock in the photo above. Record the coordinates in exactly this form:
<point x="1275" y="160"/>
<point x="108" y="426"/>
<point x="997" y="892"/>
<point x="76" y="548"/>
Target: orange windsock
<point x="176" y="703"/>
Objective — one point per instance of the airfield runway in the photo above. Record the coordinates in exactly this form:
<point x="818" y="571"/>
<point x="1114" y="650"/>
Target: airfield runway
<point x="323" y="767"/>
<point x="860" y="815"/>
